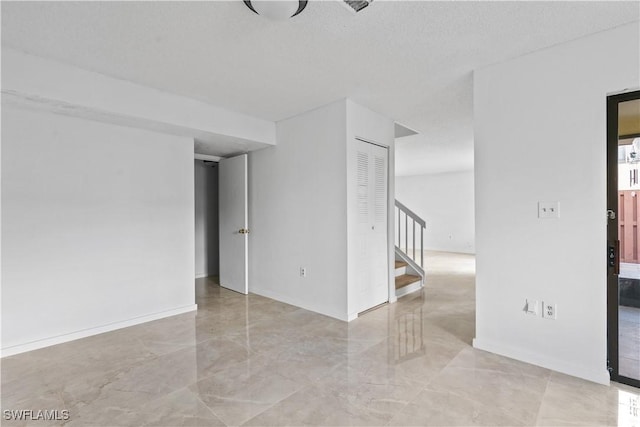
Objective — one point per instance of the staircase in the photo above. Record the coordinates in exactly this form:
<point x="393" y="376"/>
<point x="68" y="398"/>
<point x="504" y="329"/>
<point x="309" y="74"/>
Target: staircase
<point x="409" y="264"/>
<point x="406" y="283"/>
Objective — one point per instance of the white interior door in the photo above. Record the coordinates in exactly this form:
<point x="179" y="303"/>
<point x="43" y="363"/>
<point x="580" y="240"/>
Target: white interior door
<point x="233" y="220"/>
<point x="372" y="260"/>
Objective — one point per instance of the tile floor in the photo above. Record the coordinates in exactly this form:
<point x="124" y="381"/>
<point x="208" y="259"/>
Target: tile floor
<point x="257" y="362"/>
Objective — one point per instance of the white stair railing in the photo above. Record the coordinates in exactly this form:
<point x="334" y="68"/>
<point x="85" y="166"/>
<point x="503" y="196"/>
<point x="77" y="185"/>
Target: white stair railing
<point x="407" y="219"/>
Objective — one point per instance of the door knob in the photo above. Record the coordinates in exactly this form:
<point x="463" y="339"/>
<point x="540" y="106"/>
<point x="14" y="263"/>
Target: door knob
<point x="243" y="231"/>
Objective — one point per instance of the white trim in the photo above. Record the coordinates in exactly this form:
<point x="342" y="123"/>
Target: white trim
<point x="201" y="275"/>
<point x="206" y="157"/>
<point x="369" y="141"/>
<point x="600" y="376"/>
<point x="46" y="342"/>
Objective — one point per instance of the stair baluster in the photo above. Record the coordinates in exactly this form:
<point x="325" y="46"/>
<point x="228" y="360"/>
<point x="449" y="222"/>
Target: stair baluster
<point x="405" y="252"/>
<point x="410" y="251"/>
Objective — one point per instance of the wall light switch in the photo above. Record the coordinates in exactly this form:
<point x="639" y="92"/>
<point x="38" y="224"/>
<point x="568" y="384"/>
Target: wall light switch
<point x="531" y="306"/>
<point x="548" y="210"/>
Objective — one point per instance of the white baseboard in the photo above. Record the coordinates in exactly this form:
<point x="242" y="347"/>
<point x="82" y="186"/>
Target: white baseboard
<point x="201" y="275"/>
<point x="46" y="342"/>
<point x="600" y="376"/>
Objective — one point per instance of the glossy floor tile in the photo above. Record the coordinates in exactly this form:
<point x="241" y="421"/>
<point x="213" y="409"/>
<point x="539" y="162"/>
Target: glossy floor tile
<point x="249" y="360"/>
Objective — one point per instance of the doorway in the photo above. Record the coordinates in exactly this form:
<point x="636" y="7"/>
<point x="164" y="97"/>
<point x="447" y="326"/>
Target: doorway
<point x="623" y="235"/>
<point x="221" y="221"/>
<point x="370" y="205"/>
<point x="207" y="257"/>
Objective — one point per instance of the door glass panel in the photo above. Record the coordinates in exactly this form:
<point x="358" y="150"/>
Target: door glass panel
<point x="629" y="236"/>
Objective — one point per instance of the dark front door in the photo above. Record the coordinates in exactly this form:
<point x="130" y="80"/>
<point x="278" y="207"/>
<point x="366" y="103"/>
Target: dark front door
<point x="623" y="237"/>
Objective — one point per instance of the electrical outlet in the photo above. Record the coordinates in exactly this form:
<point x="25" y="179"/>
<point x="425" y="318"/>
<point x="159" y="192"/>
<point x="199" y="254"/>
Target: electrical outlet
<point x="548" y="210"/>
<point x="549" y="310"/>
<point x="303" y="272"/>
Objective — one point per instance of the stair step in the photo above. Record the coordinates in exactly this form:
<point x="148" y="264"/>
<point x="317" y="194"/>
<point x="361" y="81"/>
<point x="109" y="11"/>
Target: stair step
<point x="400" y="264"/>
<point x="405" y="280"/>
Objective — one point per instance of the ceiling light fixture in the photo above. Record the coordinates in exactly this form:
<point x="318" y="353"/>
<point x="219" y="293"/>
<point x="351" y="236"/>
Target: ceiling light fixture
<point x="276" y="10"/>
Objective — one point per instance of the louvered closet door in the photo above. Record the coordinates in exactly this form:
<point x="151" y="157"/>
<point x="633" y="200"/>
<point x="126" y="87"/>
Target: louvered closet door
<point x="371" y="263"/>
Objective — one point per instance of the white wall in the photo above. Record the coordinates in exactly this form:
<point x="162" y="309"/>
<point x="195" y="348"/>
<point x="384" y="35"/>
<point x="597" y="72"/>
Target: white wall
<point x="548" y="109"/>
<point x="297" y="213"/>
<point x="55" y="86"/>
<point x="98" y="228"/>
<point x="446" y="203"/>
<point x="298" y="210"/>
<point x="206" y="221"/>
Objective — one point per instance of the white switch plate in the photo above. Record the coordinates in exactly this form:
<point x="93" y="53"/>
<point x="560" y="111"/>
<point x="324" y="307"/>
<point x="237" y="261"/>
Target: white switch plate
<point x="531" y="307"/>
<point x="549" y="310"/>
<point x="548" y="210"/>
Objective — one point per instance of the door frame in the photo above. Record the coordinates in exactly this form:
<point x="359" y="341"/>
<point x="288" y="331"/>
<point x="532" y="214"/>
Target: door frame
<point x="389" y="226"/>
<point x="612" y="236"/>
<point x="233" y="236"/>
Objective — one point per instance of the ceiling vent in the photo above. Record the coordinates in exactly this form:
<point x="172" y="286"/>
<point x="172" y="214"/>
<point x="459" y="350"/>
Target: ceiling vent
<point x="356" y="6"/>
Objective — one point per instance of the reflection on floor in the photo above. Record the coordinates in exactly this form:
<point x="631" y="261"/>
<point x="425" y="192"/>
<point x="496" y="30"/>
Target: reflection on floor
<point x="629" y="342"/>
<point x="254" y="361"/>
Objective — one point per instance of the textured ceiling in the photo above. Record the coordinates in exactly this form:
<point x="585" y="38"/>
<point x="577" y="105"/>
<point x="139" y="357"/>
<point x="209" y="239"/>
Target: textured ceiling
<point x="409" y="60"/>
